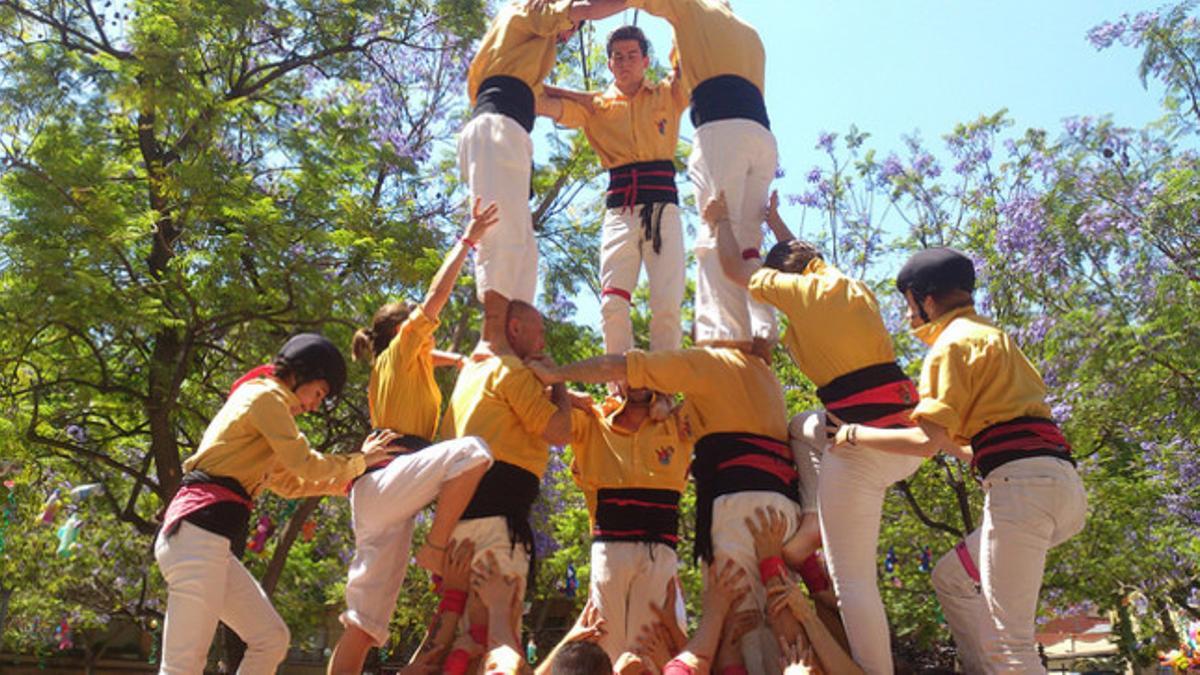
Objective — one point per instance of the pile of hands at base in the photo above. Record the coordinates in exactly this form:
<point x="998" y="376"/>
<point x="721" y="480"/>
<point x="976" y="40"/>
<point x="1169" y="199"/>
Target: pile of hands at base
<point x="661" y="647"/>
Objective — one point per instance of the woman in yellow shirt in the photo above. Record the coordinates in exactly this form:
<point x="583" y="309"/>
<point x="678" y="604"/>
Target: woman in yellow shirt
<point x="251" y="445"/>
<point x="977" y="388"/>
<point x="404" y="399"/>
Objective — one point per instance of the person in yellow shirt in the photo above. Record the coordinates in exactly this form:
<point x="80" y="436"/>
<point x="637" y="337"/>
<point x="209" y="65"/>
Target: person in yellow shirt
<point x="837" y="338"/>
<point x="251" y="445"/>
<point x="404" y="398"/>
<point x="632" y="470"/>
<point x="498" y="398"/>
<point x="722" y="63"/>
<point x="495" y="153"/>
<point x="978" y="388"/>
<point x="734" y="406"/>
<point x="633" y="126"/>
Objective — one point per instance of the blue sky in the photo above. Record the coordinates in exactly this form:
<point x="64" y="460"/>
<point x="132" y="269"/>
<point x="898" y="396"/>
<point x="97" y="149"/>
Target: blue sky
<point x="893" y="67"/>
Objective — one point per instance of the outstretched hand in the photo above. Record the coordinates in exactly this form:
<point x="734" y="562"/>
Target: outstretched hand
<point x="789" y="598"/>
<point x="375" y="446"/>
<point x="456" y="575"/>
<point x="651" y="644"/>
<point x="665" y="614"/>
<point x="726" y="586"/>
<point x="481" y="220"/>
<point x="769" y="529"/>
<point x="716" y="210"/>
<point x="588" y="627"/>
<point x="544" y="369"/>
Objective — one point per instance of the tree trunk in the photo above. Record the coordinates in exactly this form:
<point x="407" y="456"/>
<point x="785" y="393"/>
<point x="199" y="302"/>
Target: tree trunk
<point x="286" y="538"/>
<point x="159" y="408"/>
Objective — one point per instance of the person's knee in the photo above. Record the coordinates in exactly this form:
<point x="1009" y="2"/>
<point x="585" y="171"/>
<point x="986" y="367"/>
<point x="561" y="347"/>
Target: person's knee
<point x="949" y="577"/>
<point x="614" y="304"/>
<point x="807" y="426"/>
<point x="274" y="639"/>
<point x="475" y="451"/>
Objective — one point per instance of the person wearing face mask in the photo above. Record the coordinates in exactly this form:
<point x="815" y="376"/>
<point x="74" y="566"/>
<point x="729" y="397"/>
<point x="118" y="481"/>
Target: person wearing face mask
<point x="633" y="126"/>
<point x="632" y="470"/>
<point x="979" y="390"/>
<point x="251" y="445"/>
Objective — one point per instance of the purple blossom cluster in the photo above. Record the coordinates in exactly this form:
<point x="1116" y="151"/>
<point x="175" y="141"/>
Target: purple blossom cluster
<point x="1129" y="31"/>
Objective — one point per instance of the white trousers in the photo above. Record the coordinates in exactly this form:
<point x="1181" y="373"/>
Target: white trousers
<point x="1031" y="505"/>
<point x="731" y="539"/>
<point x="623" y="251"/>
<point x="850" y="492"/>
<point x="206" y="584"/>
<point x="383" y="505"/>
<point x="737" y="157"/>
<point x="495" y="157"/>
<point x="627" y="577"/>
<point x="491" y="534"/>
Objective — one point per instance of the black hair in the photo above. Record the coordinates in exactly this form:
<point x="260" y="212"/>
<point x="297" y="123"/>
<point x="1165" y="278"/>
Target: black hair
<point x="582" y="658"/>
<point x="791" y="256"/>
<point x="628" y="33"/>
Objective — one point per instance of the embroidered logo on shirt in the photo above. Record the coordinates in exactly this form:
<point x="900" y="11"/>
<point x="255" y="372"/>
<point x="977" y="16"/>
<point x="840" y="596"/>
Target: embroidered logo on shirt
<point x="664" y="454"/>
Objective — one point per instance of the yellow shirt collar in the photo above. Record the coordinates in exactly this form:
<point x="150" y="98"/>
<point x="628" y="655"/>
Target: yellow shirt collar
<point x="929" y="332"/>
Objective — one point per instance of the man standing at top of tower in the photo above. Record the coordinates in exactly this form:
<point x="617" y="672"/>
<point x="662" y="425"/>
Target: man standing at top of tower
<point x="722" y="62"/>
<point x="633" y="126"/>
<point x="495" y="152"/>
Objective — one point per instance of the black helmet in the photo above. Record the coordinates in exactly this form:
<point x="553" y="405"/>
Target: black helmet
<point x="936" y="270"/>
<point x="313" y="357"/>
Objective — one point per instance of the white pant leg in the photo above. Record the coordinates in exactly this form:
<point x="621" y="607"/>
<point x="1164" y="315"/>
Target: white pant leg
<point x="248" y="612"/>
<point x="731" y="539"/>
<point x="194" y="562"/>
<point x="495" y="156"/>
<point x="1031" y="506"/>
<point x="614" y="565"/>
<point x="491" y="534"/>
<point x="963" y="605"/>
<point x="731" y="156"/>
<point x="764" y="162"/>
<point x="626" y="578"/>
<point x="666" y="279"/>
<point x="850" y="497"/>
<point x="620" y="261"/>
<point x="383" y="504"/>
<point x="806" y="435"/>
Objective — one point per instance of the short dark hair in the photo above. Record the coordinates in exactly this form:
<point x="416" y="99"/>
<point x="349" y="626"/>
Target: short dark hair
<point x="582" y="658"/>
<point x="791" y="256"/>
<point x="628" y="33"/>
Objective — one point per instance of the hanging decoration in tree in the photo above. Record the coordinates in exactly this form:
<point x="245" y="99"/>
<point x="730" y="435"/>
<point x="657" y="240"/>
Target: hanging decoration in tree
<point x="62" y="633"/>
<point x="67" y="536"/>
<point x="889" y="563"/>
<point x="86" y="490"/>
<point x="261" y="533"/>
<point x="7" y="514"/>
<point x="926" y="559"/>
<point x="572" y="582"/>
<point x="50" y="508"/>
<point x="531" y="651"/>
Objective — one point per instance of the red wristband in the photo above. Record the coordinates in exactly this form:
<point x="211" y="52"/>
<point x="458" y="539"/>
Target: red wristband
<point x="457" y="663"/>
<point x="478" y="633"/>
<point x="769" y="568"/>
<point x="812" y="572"/>
<point x="473" y="245"/>
<point x="453" y="601"/>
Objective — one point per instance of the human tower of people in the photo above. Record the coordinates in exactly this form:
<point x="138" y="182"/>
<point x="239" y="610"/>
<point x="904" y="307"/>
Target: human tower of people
<point x="770" y="492"/>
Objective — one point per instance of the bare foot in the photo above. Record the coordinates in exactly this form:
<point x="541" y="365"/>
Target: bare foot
<point x="432" y="558"/>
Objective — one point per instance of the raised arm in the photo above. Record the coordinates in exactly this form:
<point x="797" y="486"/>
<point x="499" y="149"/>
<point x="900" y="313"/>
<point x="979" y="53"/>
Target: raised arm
<point x="447" y="274"/>
<point x="775" y="221"/>
<point x="737" y="269"/>
<point x="596" y="370"/>
<point x="923" y="440"/>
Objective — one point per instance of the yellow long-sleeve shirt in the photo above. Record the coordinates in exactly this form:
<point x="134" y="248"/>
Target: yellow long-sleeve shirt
<point x="627" y="129"/>
<point x="501" y="401"/>
<point x="655" y="456"/>
<point x="975" y="376"/>
<point x="254" y="440"/>
<point x="725" y="390"/>
<point x="520" y="43"/>
<point x="834" y="325"/>
<point x="710" y="40"/>
<point x="403" y="394"/>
